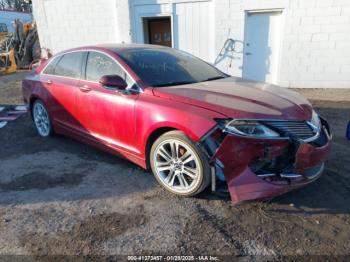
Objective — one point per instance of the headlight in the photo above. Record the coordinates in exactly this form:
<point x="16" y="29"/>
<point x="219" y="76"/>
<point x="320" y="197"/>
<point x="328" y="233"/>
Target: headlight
<point x="250" y="128"/>
<point x="315" y="121"/>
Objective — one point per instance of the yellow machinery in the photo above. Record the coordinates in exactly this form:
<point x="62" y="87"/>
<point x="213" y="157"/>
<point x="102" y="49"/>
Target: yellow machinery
<point x="7" y="59"/>
<point x="10" y="58"/>
<point x="8" y="62"/>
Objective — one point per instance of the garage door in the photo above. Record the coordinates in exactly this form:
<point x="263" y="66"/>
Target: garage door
<point x="192" y="25"/>
<point x="194" y="28"/>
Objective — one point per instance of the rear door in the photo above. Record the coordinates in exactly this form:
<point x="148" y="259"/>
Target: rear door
<point x="61" y="78"/>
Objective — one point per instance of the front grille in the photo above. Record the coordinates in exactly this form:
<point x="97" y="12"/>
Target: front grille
<point x="295" y="129"/>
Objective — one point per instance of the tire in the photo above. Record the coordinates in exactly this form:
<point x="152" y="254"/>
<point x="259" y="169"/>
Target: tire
<point x="41" y="119"/>
<point x="179" y="165"/>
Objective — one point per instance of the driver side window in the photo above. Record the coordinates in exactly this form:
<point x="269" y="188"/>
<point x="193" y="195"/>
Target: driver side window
<point x="99" y="65"/>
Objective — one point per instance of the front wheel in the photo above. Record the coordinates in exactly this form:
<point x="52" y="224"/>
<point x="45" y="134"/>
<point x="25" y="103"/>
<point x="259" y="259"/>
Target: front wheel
<point x="41" y="119"/>
<point x="179" y="165"/>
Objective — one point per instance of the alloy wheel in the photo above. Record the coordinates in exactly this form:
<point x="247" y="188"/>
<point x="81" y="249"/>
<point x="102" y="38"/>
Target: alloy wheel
<point x="177" y="166"/>
<point x="41" y="119"/>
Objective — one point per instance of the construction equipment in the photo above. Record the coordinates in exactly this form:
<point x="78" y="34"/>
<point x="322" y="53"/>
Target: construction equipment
<point x="19" y="49"/>
<point x="8" y="62"/>
<point x="7" y="59"/>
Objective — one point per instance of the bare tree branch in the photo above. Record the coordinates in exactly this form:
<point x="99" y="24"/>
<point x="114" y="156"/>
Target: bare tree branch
<point x="16" y="5"/>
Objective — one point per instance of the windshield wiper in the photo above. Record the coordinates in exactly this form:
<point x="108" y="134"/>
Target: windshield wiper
<point x="175" y="83"/>
<point x="213" y="78"/>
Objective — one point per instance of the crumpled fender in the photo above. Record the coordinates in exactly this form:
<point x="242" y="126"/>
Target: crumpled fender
<point x="309" y="156"/>
<point x="236" y="153"/>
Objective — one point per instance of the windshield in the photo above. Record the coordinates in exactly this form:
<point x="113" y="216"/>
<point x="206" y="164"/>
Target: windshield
<point x="167" y="67"/>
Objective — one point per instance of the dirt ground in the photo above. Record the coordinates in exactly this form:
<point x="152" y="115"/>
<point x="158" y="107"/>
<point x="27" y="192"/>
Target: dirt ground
<point x="58" y="196"/>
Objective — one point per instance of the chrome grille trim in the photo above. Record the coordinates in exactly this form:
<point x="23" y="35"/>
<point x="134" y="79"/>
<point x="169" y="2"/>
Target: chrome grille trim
<point x="300" y="130"/>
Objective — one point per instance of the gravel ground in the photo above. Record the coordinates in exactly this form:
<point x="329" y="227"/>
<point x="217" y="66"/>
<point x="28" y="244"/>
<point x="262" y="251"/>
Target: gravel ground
<point x="11" y="88"/>
<point x="58" y="196"/>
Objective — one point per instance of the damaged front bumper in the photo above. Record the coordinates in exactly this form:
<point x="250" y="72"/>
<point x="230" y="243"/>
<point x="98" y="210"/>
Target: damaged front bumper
<point x="265" y="168"/>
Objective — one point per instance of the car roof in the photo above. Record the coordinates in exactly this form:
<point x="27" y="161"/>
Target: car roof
<point x="120" y="47"/>
<point x="115" y="48"/>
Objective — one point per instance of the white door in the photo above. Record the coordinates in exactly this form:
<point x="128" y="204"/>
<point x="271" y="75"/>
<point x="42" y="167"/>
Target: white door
<point x="194" y="28"/>
<point x="262" y="42"/>
<point x="192" y="24"/>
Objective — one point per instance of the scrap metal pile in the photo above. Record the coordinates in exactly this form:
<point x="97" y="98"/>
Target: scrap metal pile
<point x="18" y="50"/>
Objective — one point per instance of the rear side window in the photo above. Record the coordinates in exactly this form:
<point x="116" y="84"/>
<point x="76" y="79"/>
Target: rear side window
<point x="50" y="69"/>
<point x="99" y="65"/>
<point x="69" y="65"/>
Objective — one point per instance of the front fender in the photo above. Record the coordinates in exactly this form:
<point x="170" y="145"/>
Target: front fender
<point x="153" y="113"/>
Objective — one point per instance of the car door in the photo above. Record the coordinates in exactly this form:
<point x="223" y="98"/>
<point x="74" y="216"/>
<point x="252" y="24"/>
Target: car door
<point x="106" y="114"/>
<point x="61" y="78"/>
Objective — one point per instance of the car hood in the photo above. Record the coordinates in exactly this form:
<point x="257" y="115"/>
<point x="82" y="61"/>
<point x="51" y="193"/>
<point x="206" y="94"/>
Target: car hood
<point x="237" y="98"/>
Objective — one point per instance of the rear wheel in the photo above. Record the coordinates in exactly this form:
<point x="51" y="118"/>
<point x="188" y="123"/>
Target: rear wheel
<point x="179" y="165"/>
<point x="41" y="119"/>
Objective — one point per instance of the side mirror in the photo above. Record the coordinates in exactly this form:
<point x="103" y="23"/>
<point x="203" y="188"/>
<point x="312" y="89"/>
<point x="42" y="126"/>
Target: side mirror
<point x="113" y="81"/>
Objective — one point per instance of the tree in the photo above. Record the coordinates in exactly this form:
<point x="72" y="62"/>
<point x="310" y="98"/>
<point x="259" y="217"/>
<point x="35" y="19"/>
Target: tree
<point x="16" y="5"/>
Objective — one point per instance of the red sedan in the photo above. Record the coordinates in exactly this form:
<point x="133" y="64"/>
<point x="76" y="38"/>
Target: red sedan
<point x="190" y="123"/>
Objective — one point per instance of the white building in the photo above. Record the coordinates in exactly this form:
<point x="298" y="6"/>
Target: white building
<point x="293" y="43"/>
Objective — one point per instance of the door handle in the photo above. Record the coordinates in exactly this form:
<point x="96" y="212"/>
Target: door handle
<point x="49" y="82"/>
<point x="85" y="88"/>
<point x="248" y="53"/>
